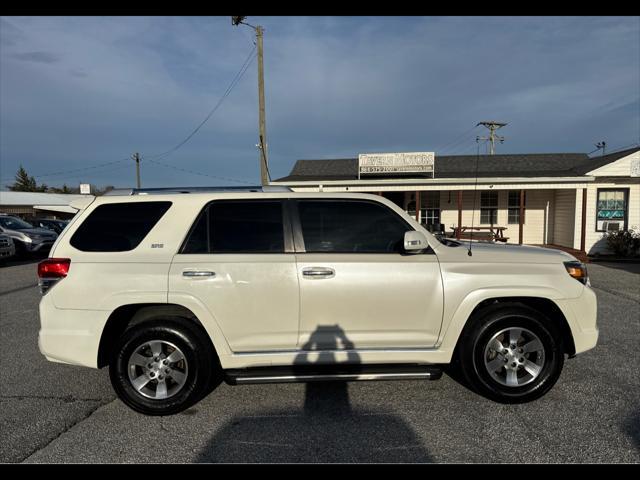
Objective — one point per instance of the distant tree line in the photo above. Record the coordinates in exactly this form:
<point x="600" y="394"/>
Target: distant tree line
<point x="26" y="183"/>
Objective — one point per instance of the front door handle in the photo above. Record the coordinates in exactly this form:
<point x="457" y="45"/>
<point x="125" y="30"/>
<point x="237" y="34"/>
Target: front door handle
<point x="318" y="272"/>
<point x="198" y="273"/>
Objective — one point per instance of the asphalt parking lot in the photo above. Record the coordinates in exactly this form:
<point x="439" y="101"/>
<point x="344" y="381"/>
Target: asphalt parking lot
<point x="57" y="413"/>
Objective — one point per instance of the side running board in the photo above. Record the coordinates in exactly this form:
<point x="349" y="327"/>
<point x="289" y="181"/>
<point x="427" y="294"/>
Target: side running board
<point x="332" y="373"/>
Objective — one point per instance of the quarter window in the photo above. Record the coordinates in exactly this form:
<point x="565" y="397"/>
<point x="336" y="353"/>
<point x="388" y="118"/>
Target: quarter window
<point x="350" y="227"/>
<point x="118" y="227"/>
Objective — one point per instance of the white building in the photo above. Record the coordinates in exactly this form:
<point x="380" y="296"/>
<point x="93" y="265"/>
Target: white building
<point x="565" y="200"/>
<point x="37" y="204"/>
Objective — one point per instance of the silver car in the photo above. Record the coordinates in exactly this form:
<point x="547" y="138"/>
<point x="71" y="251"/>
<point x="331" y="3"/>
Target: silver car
<point x="26" y="237"/>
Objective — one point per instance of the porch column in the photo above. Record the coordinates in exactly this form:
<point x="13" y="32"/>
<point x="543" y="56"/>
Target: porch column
<point x="583" y="229"/>
<point x="521" y="217"/>
<point x="459" y="214"/>
<point x="418" y="206"/>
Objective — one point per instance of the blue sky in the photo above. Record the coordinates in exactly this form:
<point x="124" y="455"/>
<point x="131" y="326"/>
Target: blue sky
<point x="77" y="92"/>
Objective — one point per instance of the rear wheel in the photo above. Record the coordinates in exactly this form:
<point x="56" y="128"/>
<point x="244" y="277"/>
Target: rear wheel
<point x="162" y="366"/>
<point x="511" y="353"/>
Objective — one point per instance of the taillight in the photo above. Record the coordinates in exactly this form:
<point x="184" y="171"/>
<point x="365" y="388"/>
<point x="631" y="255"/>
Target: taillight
<point x="51" y="271"/>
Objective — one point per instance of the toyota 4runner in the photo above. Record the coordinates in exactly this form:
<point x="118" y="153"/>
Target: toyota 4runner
<point x="175" y="290"/>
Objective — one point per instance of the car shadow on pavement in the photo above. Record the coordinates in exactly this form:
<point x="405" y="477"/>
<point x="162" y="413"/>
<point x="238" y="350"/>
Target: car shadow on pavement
<point x="326" y="429"/>
<point x="632" y="427"/>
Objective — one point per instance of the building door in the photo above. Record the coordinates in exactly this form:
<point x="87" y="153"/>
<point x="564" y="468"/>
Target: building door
<point x="355" y="283"/>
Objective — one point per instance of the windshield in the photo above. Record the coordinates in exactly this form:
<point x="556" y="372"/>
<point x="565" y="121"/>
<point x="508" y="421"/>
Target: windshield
<point x="13" y="223"/>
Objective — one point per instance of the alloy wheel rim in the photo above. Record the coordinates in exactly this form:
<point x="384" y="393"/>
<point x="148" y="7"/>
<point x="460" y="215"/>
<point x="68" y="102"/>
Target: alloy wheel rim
<point x="514" y="357"/>
<point x="157" y="369"/>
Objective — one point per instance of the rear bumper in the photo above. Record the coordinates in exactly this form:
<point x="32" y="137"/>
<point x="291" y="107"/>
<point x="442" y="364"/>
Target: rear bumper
<point x="581" y="314"/>
<point x="70" y="336"/>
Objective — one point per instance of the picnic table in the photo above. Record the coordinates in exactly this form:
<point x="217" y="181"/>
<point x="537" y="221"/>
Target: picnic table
<point x="495" y="234"/>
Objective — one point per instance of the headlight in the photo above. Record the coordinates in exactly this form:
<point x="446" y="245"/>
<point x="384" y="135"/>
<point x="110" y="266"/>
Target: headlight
<point x="578" y="271"/>
<point x="25" y="238"/>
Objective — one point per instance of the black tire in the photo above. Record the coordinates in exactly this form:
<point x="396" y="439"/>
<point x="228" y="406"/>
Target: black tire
<point x="198" y="352"/>
<point x="492" y="320"/>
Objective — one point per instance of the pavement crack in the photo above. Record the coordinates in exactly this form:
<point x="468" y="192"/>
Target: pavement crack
<point x="7" y="292"/>
<point x="66" y="429"/>
<point x="66" y="398"/>
<point x="618" y="294"/>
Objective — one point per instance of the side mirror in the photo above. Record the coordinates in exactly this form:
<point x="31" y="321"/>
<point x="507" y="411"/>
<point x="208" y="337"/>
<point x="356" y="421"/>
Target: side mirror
<point x="414" y="241"/>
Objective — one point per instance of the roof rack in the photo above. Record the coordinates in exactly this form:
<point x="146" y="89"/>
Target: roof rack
<point x="168" y="190"/>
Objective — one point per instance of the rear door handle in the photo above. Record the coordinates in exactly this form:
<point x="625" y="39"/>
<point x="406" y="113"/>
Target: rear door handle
<point x="198" y="273"/>
<point x="318" y="272"/>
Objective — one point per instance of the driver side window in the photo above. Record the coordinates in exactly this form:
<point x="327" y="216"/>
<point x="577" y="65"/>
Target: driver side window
<point x="350" y="226"/>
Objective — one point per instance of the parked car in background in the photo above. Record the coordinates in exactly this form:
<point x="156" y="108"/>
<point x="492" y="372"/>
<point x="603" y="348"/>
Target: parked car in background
<point x="173" y="291"/>
<point x="26" y="237"/>
<point x="7" y="248"/>
<point x="50" y="224"/>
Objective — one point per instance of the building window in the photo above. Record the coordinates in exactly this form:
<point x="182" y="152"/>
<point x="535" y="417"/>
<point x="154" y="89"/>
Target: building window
<point x="430" y="208"/>
<point x="611" y="210"/>
<point x="489" y="208"/>
<point x="514" y="207"/>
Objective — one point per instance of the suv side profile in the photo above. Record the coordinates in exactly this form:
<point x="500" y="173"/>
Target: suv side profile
<point x="175" y="292"/>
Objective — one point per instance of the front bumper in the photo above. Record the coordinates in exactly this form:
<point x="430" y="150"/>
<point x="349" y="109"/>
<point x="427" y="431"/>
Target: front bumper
<point x="581" y="314"/>
<point x="6" y="252"/>
<point x="70" y="336"/>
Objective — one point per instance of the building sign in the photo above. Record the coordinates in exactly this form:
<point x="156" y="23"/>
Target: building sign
<point x="85" y="188"/>
<point x="394" y="163"/>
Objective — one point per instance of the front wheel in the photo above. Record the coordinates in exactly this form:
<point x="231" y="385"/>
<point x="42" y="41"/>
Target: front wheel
<point x="161" y="366"/>
<point x="511" y="353"/>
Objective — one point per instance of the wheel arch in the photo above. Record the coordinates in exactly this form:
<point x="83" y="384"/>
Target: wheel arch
<point x="127" y="315"/>
<point x="464" y="316"/>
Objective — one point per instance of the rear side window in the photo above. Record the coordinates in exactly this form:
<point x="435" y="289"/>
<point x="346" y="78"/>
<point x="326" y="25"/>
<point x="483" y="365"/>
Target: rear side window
<point x="350" y="227"/>
<point x="118" y="227"/>
<point x="238" y="227"/>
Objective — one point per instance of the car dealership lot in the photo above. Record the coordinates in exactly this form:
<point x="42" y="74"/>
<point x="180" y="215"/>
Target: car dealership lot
<point x="58" y="413"/>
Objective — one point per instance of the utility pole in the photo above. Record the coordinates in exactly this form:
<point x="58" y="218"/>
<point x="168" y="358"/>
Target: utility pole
<point x="601" y="145"/>
<point x="262" y="128"/>
<point x="492" y="126"/>
<point x="136" y="158"/>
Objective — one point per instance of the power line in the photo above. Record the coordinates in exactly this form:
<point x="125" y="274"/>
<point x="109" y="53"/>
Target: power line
<point x="231" y="86"/>
<point x="227" y="179"/>
<point x="64" y="172"/>
<point x="460" y="137"/>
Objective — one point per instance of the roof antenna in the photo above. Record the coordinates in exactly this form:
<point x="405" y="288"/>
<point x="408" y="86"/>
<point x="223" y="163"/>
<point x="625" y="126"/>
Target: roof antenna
<point x="475" y="188"/>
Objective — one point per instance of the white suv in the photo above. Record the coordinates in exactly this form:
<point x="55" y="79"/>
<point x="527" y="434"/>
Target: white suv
<point x="176" y="290"/>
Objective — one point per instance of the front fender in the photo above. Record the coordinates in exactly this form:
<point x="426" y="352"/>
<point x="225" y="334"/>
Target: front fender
<point x="455" y="322"/>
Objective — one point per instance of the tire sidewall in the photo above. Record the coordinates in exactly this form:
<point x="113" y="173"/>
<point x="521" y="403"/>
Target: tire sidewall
<point x="199" y="367"/>
<point x="526" y="319"/>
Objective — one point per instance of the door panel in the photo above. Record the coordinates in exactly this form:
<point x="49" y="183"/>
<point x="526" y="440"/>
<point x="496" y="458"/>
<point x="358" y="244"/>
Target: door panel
<point x="374" y="300"/>
<point x="357" y="288"/>
<point x="254" y="298"/>
<point x="238" y="262"/>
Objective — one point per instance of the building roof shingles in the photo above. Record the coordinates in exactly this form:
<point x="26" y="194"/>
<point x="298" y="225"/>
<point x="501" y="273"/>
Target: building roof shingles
<point x="464" y="166"/>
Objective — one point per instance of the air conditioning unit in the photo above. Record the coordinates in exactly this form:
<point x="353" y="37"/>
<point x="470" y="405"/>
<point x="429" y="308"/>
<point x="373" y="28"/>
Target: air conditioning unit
<point x="611" y="226"/>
